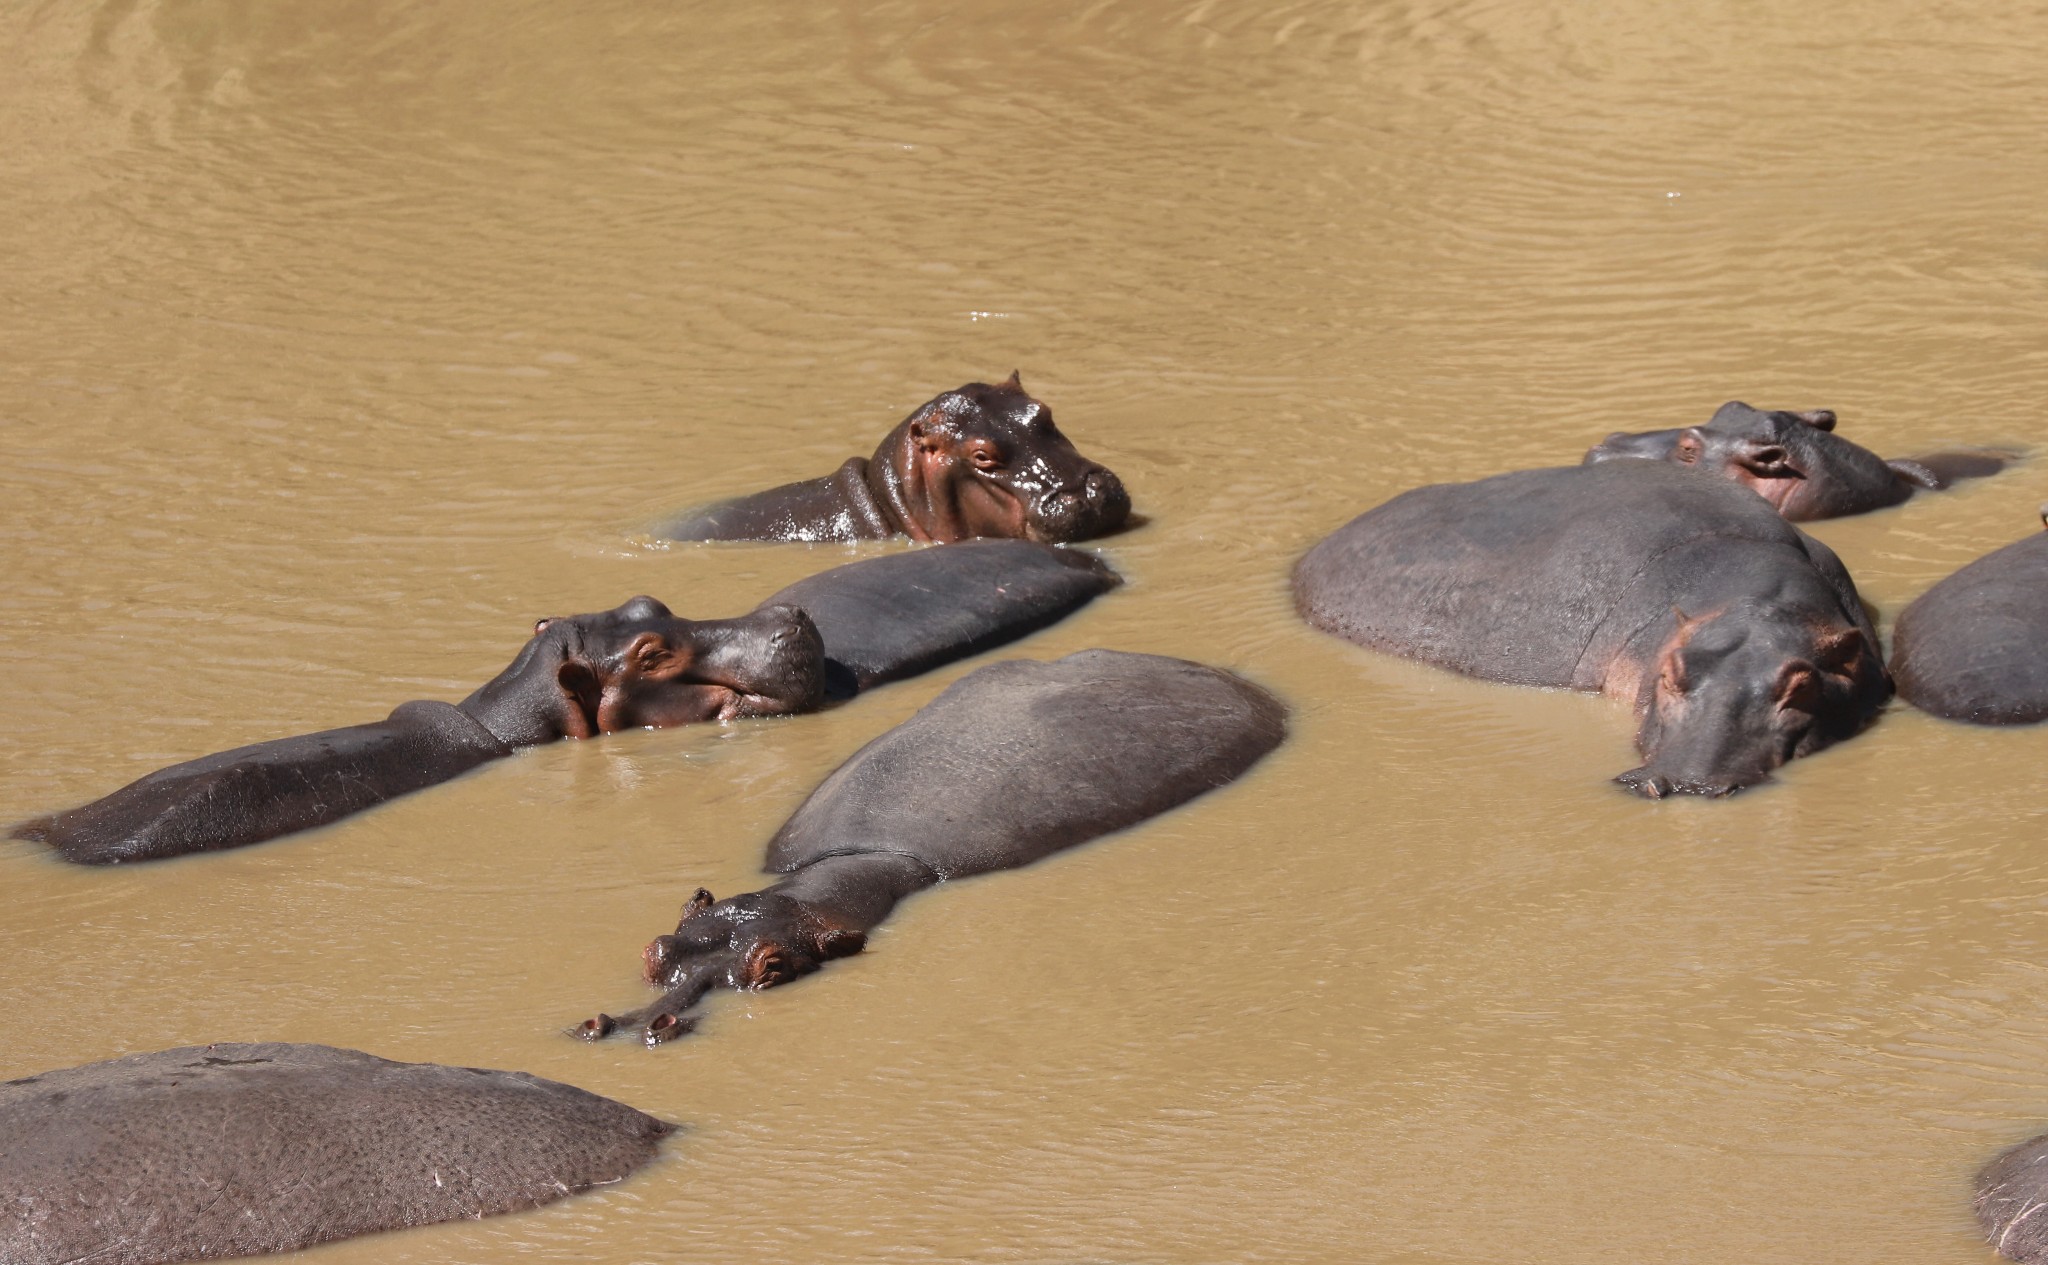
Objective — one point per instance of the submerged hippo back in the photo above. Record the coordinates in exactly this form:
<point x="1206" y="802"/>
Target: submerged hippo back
<point x="1515" y="578"/>
<point x="1023" y="758"/>
<point x="232" y="1150"/>
<point x="896" y="616"/>
<point x="1975" y="646"/>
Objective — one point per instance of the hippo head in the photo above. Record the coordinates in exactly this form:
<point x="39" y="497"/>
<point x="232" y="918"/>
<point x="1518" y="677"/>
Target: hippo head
<point x="1736" y="694"/>
<point x="1774" y="453"/>
<point x="748" y="942"/>
<point x="640" y="666"/>
<point x="987" y="461"/>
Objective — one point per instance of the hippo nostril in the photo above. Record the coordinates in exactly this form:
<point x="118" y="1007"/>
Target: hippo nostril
<point x="665" y="1027"/>
<point x="597" y="1029"/>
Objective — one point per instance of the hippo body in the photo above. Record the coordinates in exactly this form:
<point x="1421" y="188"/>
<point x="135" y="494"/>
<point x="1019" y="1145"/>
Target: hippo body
<point x="1975" y="646"/>
<point x="1796" y="461"/>
<point x="1739" y="639"/>
<point x="233" y="1150"/>
<point x="1010" y="764"/>
<point x="636" y="665"/>
<point x="2012" y="1196"/>
<point x="274" y="788"/>
<point x="887" y="618"/>
<point x="978" y="461"/>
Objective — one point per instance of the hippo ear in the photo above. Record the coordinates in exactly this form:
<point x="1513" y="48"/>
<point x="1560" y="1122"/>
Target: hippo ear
<point x="1798" y="687"/>
<point x="1819" y="418"/>
<point x="835" y="943"/>
<point x="650" y="655"/>
<point x="1014" y="382"/>
<point x="764" y="966"/>
<point x="582" y="692"/>
<point x="1841" y="652"/>
<point x="1767" y="461"/>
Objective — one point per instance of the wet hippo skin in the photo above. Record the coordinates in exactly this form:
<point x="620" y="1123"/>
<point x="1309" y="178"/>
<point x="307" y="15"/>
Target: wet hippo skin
<point x="1740" y="641"/>
<point x="233" y="1150"/>
<point x="1012" y="763"/>
<point x="887" y="618"/>
<point x="981" y="460"/>
<point x="1796" y="461"/>
<point x="1975" y="646"/>
<point x="2012" y="1202"/>
<point x="637" y="665"/>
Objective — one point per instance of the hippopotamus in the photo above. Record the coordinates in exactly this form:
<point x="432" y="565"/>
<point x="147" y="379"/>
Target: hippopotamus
<point x="232" y="1150"/>
<point x="1740" y="640"/>
<point x="981" y="460"/>
<point x="2012" y="1202"/>
<point x="1796" y="461"/>
<point x="832" y="635"/>
<point x="1012" y="763"/>
<point x="633" y="666"/>
<point x="1975" y="646"/>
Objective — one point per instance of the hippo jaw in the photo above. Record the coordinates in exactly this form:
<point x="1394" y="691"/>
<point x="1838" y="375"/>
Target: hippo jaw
<point x="1739" y="693"/>
<point x="988" y="461"/>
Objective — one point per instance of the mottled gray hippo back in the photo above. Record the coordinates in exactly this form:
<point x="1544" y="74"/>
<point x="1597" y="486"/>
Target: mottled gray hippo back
<point x="1975" y="646"/>
<point x="1024" y="758"/>
<point x="234" y="1150"/>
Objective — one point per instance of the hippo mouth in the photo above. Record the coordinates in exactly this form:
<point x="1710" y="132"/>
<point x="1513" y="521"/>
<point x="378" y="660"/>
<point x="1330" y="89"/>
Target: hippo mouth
<point x="1097" y="505"/>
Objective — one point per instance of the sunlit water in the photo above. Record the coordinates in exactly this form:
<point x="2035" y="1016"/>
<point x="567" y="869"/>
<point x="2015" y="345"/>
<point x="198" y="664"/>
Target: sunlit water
<point x="337" y="343"/>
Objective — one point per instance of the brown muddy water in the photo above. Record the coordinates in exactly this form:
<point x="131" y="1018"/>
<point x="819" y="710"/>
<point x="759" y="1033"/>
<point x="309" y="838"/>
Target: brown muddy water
<point x="338" y="342"/>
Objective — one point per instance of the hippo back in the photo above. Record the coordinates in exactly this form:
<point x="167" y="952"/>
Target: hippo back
<point x="1023" y="758"/>
<point x="838" y="506"/>
<point x="232" y="1150"/>
<point x="272" y="788"/>
<point x="1536" y="577"/>
<point x="1975" y="646"/>
<point x="896" y="616"/>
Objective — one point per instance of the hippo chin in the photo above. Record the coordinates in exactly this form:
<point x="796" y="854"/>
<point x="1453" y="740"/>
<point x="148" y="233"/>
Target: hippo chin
<point x="1010" y="764"/>
<point x="234" y="1150"/>
<point x="1740" y="641"/>
<point x="977" y="461"/>
<point x="1796" y="461"/>
<point x="634" y="666"/>
<point x="1975" y="646"/>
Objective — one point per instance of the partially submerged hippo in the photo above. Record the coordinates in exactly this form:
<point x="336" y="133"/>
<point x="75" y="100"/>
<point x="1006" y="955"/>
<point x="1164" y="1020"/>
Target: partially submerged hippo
<point x="234" y="1150"/>
<point x="637" y="666"/>
<point x="2012" y="1202"/>
<point x="1740" y="640"/>
<point x="898" y="615"/>
<point x="977" y="461"/>
<point x="1011" y="763"/>
<point x="1796" y="461"/>
<point x="1975" y="646"/>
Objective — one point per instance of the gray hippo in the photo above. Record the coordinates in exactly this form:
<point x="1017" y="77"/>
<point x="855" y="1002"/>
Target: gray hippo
<point x="636" y="666"/>
<point x="977" y="461"/>
<point x="2012" y="1202"/>
<point x="1796" y="461"/>
<point x="1740" y="640"/>
<point x="234" y="1150"/>
<point x="1012" y="763"/>
<point x="1975" y="646"/>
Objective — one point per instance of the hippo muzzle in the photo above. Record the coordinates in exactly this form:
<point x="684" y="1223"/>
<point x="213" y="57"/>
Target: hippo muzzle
<point x="1091" y="506"/>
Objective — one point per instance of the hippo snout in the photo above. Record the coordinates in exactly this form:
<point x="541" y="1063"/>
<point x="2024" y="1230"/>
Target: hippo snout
<point x="1096" y="504"/>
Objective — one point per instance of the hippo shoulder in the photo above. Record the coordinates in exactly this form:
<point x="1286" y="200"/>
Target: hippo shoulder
<point x="231" y="1150"/>
<point x="838" y="506"/>
<point x="1975" y="646"/>
<point x="1023" y="758"/>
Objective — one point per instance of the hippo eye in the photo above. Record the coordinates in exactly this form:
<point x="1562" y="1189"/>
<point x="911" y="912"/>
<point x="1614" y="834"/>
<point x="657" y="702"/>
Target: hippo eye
<point x="985" y="459"/>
